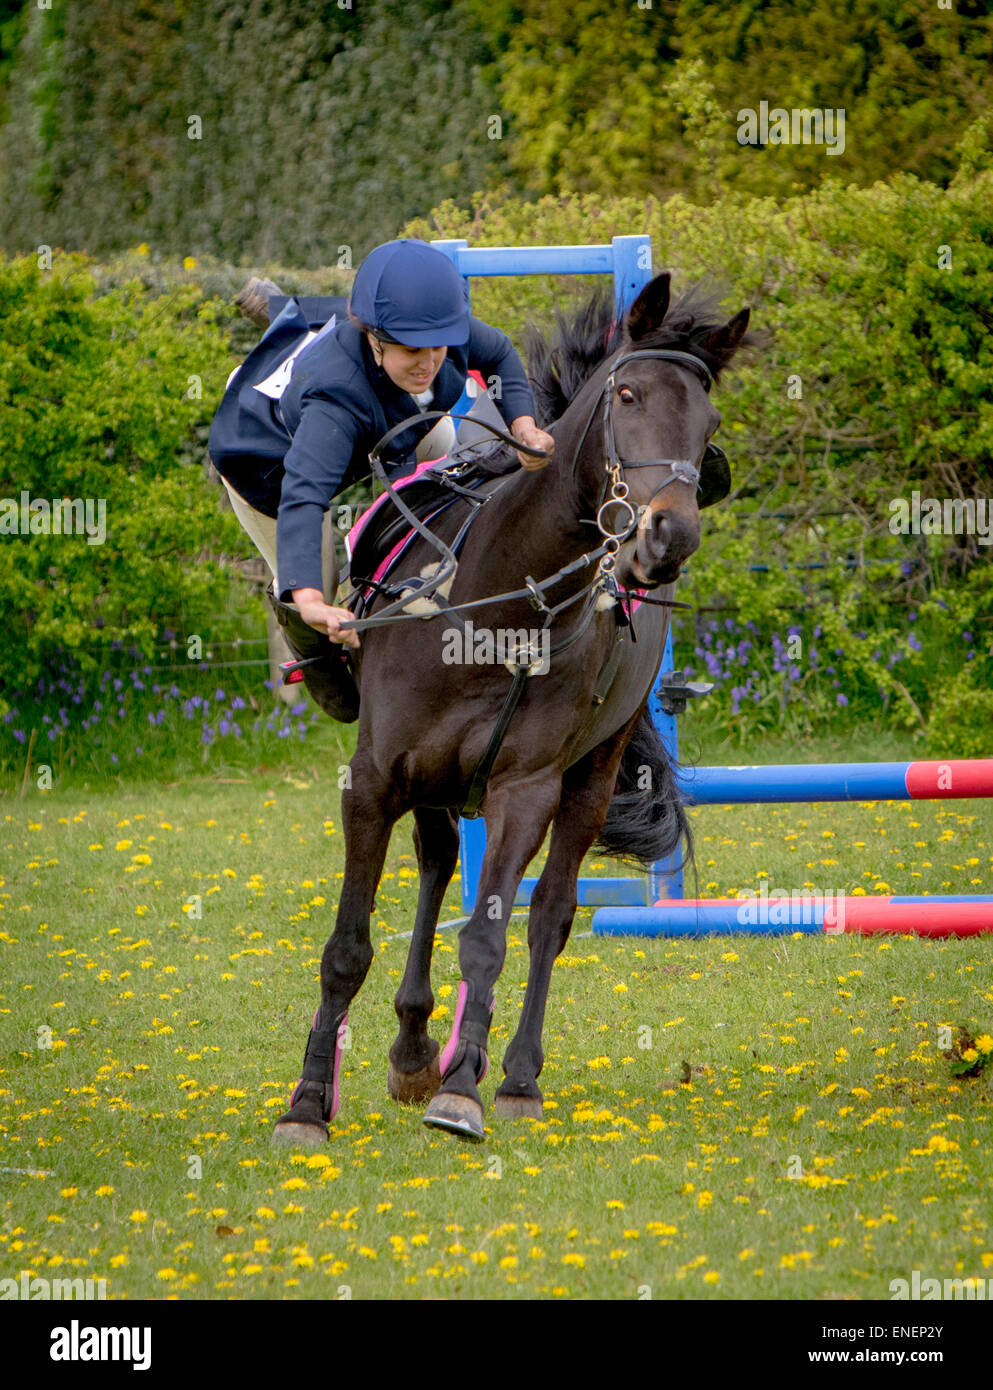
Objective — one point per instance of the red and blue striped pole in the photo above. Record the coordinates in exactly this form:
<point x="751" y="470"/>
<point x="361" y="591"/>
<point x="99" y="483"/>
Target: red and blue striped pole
<point x="916" y="781"/>
<point x="780" y="914"/>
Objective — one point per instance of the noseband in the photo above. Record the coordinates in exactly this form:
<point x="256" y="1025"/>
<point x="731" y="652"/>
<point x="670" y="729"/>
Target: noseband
<point x="681" y="470"/>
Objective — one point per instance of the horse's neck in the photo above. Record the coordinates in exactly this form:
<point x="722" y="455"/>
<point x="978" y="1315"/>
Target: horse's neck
<point x="540" y="521"/>
<point x="542" y="518"/>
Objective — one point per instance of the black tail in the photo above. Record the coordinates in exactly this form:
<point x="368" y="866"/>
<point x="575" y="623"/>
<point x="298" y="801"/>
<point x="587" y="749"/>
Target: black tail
<point x="645" y="821"/>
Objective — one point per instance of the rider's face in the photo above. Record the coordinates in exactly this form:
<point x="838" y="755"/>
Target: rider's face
<point x="412" y="369"/>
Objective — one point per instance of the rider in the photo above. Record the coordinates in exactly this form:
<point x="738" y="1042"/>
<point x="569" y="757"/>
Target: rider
<point x="407" y="347"/>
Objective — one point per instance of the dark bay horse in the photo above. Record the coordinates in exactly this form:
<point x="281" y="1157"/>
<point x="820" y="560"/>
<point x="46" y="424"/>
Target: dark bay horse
<point x="631" y="406"/>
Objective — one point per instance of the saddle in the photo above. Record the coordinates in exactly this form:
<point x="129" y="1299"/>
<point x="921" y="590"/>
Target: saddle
<point x="470" y="474"/>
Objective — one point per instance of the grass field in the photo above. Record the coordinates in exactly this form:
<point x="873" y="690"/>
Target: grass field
<point x="724" y="1119"/>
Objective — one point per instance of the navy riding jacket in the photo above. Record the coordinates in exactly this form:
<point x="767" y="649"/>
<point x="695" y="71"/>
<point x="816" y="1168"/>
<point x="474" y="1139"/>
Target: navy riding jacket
<point x="338" y="404"/>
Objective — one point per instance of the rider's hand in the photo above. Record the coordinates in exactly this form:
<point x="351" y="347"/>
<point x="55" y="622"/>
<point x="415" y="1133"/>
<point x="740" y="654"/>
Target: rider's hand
<point x="526" y="431"/>
<point x="323" y="617"/>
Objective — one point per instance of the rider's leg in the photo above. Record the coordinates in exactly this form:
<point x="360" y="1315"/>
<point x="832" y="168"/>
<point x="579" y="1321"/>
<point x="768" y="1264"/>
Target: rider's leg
<point x="262" y="530"/>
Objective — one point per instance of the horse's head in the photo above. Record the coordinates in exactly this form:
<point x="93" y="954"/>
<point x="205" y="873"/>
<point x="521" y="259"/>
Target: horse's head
<point x="658" y="424"/>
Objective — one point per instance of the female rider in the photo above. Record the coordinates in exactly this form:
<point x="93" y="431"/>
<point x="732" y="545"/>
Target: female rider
<point x="408" y="344"/>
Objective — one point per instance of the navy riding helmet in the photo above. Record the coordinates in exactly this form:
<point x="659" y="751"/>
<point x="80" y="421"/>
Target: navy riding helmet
<point x="412" y="293"/>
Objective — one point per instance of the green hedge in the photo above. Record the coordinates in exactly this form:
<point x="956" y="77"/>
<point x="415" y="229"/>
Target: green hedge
<point x="106" y="397"/>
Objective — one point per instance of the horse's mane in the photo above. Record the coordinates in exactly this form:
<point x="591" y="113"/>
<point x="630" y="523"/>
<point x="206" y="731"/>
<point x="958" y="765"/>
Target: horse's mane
<point x="560" y="363"/>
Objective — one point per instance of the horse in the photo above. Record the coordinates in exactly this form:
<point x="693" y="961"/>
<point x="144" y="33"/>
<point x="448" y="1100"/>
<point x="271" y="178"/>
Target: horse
<point x="633" y="466"/>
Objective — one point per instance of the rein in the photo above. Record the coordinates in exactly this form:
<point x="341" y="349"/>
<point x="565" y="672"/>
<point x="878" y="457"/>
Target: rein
<point x="681" y="470"/>
<point x="431" y="593"/>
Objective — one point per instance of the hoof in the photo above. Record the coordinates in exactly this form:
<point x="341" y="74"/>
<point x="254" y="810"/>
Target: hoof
<point x="518" y="1107"/>
<point x="414" y="1088"/>
<point x="457" y="1114"/>
<point x="300" y="1136"/>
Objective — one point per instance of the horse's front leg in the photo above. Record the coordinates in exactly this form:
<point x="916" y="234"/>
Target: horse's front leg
<point x="414" y="1073"/>
<point x="586" y="791"/>
<point x="517" y="817"/>
<point x="369" y="811"/>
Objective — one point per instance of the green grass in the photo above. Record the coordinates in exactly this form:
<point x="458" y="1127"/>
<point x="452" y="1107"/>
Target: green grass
<point x="177" y="1037"/>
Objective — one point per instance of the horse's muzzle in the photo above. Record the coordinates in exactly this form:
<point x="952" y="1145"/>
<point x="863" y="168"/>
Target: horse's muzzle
<point x="666" y="540"/>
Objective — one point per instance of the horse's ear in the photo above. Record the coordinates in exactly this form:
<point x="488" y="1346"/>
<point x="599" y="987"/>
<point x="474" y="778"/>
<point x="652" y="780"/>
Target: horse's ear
<point x="650" y="308"/>
<point x="724" y="342"/>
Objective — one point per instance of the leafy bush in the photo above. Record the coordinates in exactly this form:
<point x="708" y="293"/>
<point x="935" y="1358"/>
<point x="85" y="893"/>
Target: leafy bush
<point x="102" y="394"/>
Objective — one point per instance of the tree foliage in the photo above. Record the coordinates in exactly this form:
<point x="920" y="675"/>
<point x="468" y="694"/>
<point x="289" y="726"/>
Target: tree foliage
<point x="249" y="130"/>
<point x="599" y="100"/>
<point x="325" y="125"/>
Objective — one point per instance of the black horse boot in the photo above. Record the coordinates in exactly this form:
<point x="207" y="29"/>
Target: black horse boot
<point x="323" y="664"/>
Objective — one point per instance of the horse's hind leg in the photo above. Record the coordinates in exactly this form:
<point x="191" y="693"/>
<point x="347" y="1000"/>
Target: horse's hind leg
<point x="586" y="791"/>
<point x="368" y="813"/>
<point x="414" y="1073"/>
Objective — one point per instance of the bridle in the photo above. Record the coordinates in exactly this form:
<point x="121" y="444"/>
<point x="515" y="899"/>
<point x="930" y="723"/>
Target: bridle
<point x="681" y="470"/>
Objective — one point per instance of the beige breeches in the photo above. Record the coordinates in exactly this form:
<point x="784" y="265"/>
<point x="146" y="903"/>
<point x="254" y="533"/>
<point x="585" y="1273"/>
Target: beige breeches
<point x="262" y="528"/>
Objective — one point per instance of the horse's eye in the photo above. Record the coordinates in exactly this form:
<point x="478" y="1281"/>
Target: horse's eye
<point x="625" y="395"/>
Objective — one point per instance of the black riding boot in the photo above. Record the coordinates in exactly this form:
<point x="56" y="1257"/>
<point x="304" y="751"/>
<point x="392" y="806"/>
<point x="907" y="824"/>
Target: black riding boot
<point x="327" y="674"/>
